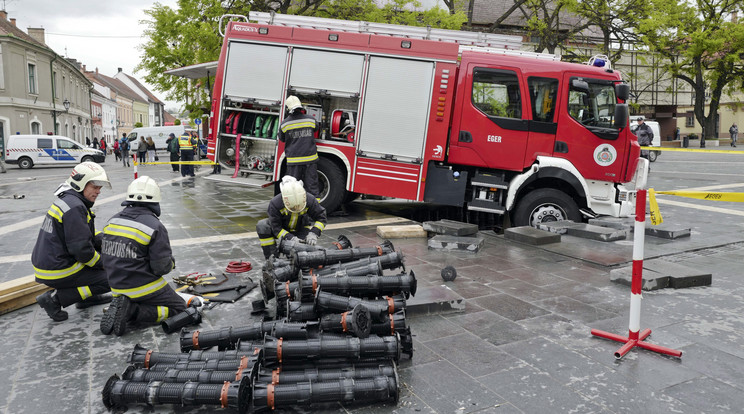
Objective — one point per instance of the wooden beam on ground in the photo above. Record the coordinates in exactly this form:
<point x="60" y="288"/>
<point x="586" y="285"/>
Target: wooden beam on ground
<point x="19" y="293"/>
<point x="401" y="232"/>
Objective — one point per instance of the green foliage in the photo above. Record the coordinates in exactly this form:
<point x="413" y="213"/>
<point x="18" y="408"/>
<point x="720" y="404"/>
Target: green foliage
<point x="189" y="34"/>
<point x="138" y="125"/>
<point x="702" y="47"/>
<point x="177" y="121"/>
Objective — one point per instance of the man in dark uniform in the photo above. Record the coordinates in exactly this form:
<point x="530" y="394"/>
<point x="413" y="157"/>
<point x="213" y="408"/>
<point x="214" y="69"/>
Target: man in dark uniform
<point x="297" y="131"/>
<point x="293" y="213"/>
<point x="187" y="145"/>
<point x="173" y="148"/>
<point x="645" y="135"/>
<point x="136" y="252"/>
<point x="66" y="255"/>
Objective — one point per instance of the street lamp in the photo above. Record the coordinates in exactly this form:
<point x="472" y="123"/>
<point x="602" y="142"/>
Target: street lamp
<point x="66" y="104"/>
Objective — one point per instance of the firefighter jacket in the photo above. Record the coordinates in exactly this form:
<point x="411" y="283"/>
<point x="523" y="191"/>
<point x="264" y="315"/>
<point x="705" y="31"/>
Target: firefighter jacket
<point x="297" y="131"/>
<point x="187" y="143"/>
<point x="66" y="241"/>
<point x="284" y="223"/>
<point x="136" y="251"/>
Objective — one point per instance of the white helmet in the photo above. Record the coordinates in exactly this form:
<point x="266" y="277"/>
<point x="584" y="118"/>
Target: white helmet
<point x="292" y="103"/>
<point x="143" y="190"/>
<point x="88" y="172"/>
<point x="293" y="194"/>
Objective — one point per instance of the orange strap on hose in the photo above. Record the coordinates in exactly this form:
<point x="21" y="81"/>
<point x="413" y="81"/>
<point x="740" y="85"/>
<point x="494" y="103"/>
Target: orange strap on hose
<point x="223" y="394"/>
<point x="195" y="339"/>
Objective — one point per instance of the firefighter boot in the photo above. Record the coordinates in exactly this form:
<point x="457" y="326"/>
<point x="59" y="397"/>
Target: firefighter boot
<point x="116" y="315"/>
<point x="49" y="302"/>
<point x="122" y="316"/>
<point x="95" y="300"/>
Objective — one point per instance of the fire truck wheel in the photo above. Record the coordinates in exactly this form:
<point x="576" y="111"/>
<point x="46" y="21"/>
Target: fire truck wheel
<point x="544" y="205"/>
<point x="331" y="181"/>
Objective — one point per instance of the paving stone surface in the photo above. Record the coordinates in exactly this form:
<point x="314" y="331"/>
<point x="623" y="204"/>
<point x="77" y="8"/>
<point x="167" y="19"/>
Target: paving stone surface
<point x="521" y="342"/>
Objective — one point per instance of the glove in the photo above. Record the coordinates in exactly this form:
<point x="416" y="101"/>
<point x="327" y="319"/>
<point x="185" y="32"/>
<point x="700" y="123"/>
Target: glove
<point x="311" y="239"/>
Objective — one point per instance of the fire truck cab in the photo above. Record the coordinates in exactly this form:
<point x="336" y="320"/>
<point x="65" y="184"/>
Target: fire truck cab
<point x="420" y="116"/>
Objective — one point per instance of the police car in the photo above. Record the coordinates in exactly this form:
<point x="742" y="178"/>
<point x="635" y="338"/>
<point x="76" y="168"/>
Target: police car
<point x="29" y="150"/>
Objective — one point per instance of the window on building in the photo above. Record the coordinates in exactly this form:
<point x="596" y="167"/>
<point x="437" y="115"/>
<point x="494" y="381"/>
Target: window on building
<point x="56" y="90"/>
<point x="74" y="132"/>
<point x="35" y="128"/>
<point x="496" y="93"/>
<point x="690" y="120"/>
<point x="32" y="87"/>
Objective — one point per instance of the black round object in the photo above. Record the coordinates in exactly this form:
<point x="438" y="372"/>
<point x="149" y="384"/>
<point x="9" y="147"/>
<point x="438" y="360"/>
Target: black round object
<point x="449" y="273"/>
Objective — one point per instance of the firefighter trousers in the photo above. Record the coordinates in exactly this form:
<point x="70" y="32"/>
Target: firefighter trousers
<point x="187" y="155"/>
<point x="157" y="307"/>
<point x="175" y="157"/>
<point x="308" y="173"/>
<point x="267" y="239"/>
<point x="80" y="286"/>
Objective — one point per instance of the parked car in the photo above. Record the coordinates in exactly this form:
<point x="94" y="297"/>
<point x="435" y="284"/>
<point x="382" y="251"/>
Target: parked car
<point x="29" y="150"/>
<point x="656" y="142"/>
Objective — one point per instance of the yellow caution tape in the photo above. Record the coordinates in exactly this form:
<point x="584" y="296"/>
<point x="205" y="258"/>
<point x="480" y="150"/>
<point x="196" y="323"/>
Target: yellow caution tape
<point x="693" y="150"/>
<point x="177" y="162"/>
<point x="706" y="195"/>
<point x="656" y="218"/>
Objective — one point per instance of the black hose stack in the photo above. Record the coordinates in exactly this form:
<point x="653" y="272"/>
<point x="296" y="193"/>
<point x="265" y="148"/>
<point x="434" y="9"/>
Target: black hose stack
<point x="340" y="332"/>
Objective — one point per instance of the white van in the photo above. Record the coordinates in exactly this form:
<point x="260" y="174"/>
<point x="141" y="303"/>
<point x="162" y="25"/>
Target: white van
<point x="656" y="142"/>
<point x="29" y="150"/>
<point x="159" y="135"/>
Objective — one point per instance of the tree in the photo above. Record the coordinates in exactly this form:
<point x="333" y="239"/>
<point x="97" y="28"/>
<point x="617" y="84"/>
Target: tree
<point x="615" y="20"/>
<point x="701" y="47"/>
<point x="190" y="34"/>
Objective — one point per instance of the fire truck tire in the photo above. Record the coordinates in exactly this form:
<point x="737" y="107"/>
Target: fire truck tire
<point x="350" y="196"/>
<point x="331" y="181"/>
<point x="544" y="205"/>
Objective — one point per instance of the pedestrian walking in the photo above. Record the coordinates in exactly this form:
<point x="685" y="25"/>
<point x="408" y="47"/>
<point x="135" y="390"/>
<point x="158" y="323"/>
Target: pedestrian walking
<point x="87" y="142"/>
<point x="136" y="253"/>
<point x="95" y="143"/>
<point x="150" y="150"/>
<point x="117" y="152"/>
<point x="734" y="131"/>
<point x="645" y="135"/>
<point x="142" y="151"/>
<point x="66" y="255"/>
<point x="103" y="148"/>
<point x="124" y="147"/>
<point x="172" y="145"/>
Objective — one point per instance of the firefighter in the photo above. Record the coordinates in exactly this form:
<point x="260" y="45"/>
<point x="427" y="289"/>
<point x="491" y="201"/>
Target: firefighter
<point x="297" y="131"/>
<point x="187" y="146"/>
<point x="293" y="213"/>
<point x="137" y="254"/>
<point x="66" y="255"/>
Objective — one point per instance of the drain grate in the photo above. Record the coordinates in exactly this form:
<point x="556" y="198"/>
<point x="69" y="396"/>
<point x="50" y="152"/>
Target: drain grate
<point x="703" y="252"/>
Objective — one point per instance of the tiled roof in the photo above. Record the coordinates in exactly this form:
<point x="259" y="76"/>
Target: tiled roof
<point x="144" y="89"/>
<point x="116" y="85"/>
<point x="9" y="29"/>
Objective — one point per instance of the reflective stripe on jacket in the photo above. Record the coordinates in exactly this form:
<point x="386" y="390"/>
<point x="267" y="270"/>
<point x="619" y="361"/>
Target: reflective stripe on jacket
<point x="136" y="252"/>
<point x="186" y="143"/>
<point x="65" y="243"/>
<point x="297" y="131"/>
<point x="284" y="222"/>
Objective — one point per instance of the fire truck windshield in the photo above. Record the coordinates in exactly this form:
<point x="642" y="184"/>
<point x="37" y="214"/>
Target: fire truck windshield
<point x="592" y="103"/>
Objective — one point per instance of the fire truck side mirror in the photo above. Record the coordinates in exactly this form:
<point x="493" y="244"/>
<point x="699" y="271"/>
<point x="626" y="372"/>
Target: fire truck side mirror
<point x="621" y="115"/>
<point x="622" y="91"/>
<point x="580" y="85"/>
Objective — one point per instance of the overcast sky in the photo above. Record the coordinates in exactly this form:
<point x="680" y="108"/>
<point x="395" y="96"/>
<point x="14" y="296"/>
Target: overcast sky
<point x="99" y="33"/>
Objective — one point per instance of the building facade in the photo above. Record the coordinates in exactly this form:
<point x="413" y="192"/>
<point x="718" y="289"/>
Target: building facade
<point x="40" y="91"/>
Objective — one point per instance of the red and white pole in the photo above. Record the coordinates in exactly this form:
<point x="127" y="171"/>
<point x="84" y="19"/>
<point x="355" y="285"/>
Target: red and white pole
<point x="635" y="337"/>
<point x="135" y="165"/>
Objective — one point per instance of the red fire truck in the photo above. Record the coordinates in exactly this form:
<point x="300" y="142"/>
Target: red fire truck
<point x="427" y="115"/>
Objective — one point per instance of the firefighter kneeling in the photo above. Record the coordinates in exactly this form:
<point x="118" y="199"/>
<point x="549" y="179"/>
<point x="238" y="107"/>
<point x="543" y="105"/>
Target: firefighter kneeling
<point x="136" y="254"/>
<point x="293" y="213"/>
